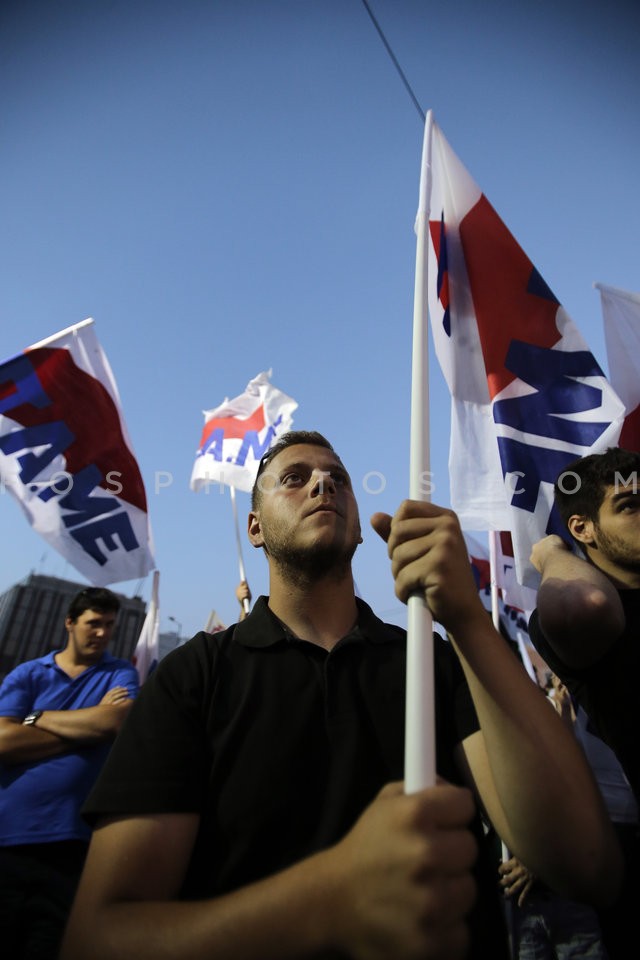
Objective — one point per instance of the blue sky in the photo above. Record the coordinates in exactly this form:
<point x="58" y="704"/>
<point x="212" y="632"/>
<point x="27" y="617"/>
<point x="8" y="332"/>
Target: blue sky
<point x="228" y="186"/>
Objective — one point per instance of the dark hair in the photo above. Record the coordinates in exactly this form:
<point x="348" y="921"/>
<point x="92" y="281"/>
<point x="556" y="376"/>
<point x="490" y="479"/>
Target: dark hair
<point x="93" y="598"/>
<point x="581" y="487"/>
<point x="290" y="439"/>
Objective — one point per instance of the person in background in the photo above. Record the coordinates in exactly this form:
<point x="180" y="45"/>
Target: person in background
<point x="58" y="717"/>
<point x="544" y="925"/>
<point x="253" y="804"/>
<point x="586" y="625"/>
<point x="243" y="593"/>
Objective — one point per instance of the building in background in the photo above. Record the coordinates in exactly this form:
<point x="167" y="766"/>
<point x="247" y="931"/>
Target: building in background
<point x="32" y="615"/>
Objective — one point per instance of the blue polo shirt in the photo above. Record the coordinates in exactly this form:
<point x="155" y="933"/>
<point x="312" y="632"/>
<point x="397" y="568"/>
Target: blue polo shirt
<point x="40" y="801"/>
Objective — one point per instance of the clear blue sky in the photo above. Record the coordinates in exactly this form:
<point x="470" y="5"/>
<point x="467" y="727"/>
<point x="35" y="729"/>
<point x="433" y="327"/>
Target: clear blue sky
<point x="228" y="186"/>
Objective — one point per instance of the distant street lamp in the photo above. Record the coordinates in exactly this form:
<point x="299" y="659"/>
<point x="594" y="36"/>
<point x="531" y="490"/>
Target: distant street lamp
<point x="178" y="628"/>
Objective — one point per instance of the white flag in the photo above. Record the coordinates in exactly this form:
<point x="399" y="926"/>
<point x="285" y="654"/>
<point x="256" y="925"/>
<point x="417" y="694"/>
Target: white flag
<point x="147" y="652"/>
<point x="621" y="317"/>
<point x="65" y="455"/>
<point x="239" y="432"/>
<point x="527" y="393"/>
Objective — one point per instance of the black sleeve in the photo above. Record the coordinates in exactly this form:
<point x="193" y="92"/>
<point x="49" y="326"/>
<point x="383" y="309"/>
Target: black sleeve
<point x="543" y="646"/>
<point x="158" y="760"/>
<point x="452" y="685"/>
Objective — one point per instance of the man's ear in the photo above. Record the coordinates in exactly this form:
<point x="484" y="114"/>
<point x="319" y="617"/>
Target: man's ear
<point x="254" y="530"/>
<point x="68" y="622"/>
<point x="582" y="529"/>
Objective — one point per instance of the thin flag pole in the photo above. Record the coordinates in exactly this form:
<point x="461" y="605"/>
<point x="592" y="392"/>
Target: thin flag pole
<point x="62" y="333"/>
<point x="495" y="617"/>
<point x="493" y="579"/>
<point x="243" y="576"/>
<point x="420" y="766"/>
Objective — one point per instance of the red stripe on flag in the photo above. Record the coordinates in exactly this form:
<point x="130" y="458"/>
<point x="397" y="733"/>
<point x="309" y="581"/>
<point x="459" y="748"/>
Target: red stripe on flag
<point x="499" y="274"/>
<point x="87" y="409"/>
<point x="630" y="435"/>
<point x="234" y="428"/>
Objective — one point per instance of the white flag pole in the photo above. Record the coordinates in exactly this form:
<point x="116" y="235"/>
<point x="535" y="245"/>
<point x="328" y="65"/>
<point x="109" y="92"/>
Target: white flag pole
<point x="495" y="617"/>
<point x="62" y="333"/>
<point x="243" y="575"/>
<point x="420" y="766"/>
<point x="493" y="554"/>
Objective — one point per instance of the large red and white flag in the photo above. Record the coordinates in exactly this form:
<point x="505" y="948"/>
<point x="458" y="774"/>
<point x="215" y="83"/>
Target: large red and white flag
<point x="239" y="432"/>
<point x="65" y="455"/>
<point x="527" y="394"/>
<point x="621" y="317"/>
<point x="147" y="652"/>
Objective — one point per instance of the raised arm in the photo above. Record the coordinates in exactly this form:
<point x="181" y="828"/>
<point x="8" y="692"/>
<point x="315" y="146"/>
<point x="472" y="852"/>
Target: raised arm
<point x="578" y="607"/>
<point x="398" y="886"/>
<point x="529" y="771"/>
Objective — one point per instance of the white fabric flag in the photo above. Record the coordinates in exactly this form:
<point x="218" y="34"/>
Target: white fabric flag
<point x="66" y="456"/>
<point x="514" y="619"/>
<point x="527" y="394"/>
<point x="147" y="652"/>
<point x="621" y="317"/>
<point x="239" y="432"/>
<point x="214" y="624"/>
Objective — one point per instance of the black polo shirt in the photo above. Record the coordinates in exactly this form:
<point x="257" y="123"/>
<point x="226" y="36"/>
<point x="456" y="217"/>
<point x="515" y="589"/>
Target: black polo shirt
<point x="608" y="689"/>
<point x="276" y="743"/>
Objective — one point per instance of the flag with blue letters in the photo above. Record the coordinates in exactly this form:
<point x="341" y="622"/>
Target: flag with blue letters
<point x="65" y="455"/>
<point x="527" y="394"/>
<point x="238" y="433"/>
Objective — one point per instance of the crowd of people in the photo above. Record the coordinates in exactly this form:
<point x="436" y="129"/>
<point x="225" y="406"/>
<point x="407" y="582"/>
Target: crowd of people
<point x="248" y="800"/>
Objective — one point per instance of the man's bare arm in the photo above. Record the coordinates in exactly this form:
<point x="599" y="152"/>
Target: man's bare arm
<point x="398" y="885"/>
<point x="24" y="744"/>
<point x="59" y="731"/>
<point x="527" y="767"/>
<point x="89" y="724"/>
<point x="579" y="608"/>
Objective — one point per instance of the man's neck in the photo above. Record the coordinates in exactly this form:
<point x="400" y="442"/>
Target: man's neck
<point x="621" y="578"/>
<point x="68" y="662"/>
<point x="322" y="612"/>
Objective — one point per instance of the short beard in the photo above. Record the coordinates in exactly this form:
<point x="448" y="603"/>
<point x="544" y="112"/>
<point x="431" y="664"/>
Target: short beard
<point x="618" y="551"/>
<point x="306" y="567"/>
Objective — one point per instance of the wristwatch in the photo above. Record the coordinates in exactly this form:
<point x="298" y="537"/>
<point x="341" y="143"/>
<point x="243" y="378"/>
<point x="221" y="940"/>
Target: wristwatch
<point x="31" y="718"/>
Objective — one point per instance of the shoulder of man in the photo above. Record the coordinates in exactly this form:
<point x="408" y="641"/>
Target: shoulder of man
<point x="25" y="669"/>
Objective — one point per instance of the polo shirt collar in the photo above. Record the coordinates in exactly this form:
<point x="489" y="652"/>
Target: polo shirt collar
<point x="48" y="659"/>
<point x="263" y="629"/>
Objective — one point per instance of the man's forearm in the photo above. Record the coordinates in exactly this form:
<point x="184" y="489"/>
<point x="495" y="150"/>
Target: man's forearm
<point x="550" y="812"/>
<point x="28" y="744"/>
<point x="87" y="725"/>
<point x="399" y="884"/>
<point x="274" y="919"/>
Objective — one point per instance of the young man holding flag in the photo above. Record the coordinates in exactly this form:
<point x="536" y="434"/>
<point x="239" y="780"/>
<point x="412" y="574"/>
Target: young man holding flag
<point x="253" y="806"/>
